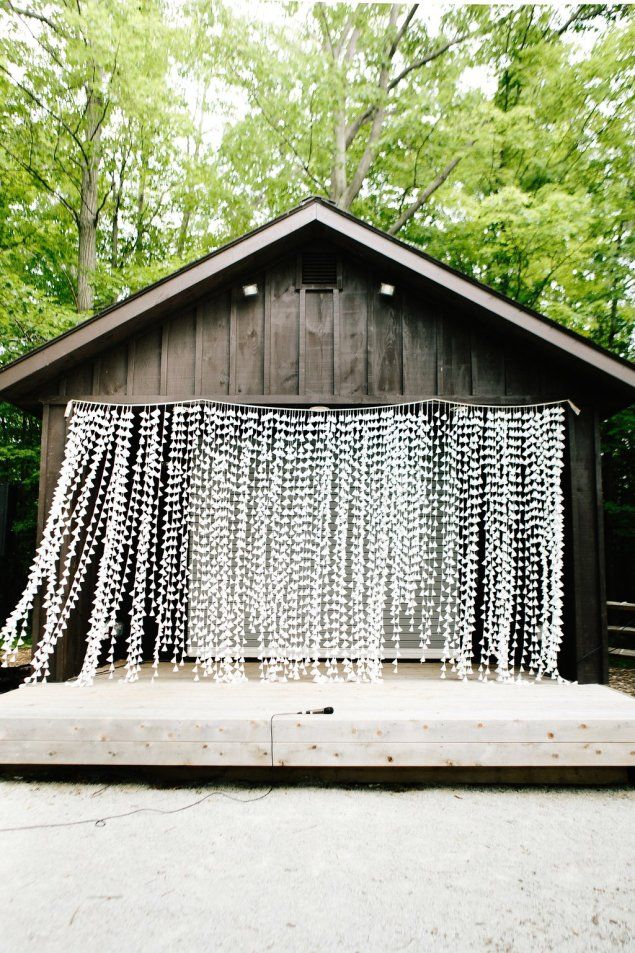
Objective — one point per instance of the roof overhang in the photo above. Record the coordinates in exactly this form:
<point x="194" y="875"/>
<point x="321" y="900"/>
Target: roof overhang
<point x="315" y="216"/>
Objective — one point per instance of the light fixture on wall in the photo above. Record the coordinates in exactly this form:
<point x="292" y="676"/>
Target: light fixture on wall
<point x="250" y="290"/>
<point x="386" y="289"/>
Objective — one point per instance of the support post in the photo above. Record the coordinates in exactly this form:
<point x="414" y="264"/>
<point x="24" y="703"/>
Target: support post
<point x="585" y="649"/>
<point x="66" y="658"/>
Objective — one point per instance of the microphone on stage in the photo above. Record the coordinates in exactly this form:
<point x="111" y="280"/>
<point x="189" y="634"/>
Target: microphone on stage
<point x="317" y="711"/>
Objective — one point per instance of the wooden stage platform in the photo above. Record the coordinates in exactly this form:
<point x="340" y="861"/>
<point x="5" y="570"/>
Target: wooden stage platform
<point x="411" y="720"/>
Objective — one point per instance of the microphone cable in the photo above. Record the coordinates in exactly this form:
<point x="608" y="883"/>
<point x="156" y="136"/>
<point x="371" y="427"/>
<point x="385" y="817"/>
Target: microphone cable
<point x="101" y="821"/>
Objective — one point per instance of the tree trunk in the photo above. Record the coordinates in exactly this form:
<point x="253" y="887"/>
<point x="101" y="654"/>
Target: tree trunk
<point x="183" y="232"/>
<point x="141" y="207"/>
<point x="114" y="234"/>
<point x="88" y="213"/>
<point x="188" y="203"/>
<point x="425" y="194"/>
<point x="338" y="173"/>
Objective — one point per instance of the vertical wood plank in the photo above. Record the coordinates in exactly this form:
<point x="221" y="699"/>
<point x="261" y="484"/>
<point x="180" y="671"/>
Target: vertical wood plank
<point x="353" y="334"/>
<point x="454" y="369"/>
<point x="370" y="336"/>
<point x="79" y="380"/>
<point x="52" y="449"/>
<point x="233" y="320"/>
<point x="60" y="669"/>
<point x="419" y="347"/>
<point x="387" y="368"/>
<point x="198" y="355"/>
<point x="284" y="320"/>
<point x="215" y="319"/>
<point x="302" y="345"/>
<point x="319" y="342"/>
<point x="113" y="371"/>
<point x="266" y="358"/>
<point x="97" y="376"/>
<point x="524" y="369"/>
<point x="584" y="656"/>
<point x="488" y="363"/>
<point x="249" y="322"/>
<point x="165" y="344"/>
<point x="147" y="378"/>
<point x="182" y="355"/>
<point x="131" y="364"/>
<point x="337" y="341"/>
<point x="601" y="550"/>
<point x="42" y="512"/>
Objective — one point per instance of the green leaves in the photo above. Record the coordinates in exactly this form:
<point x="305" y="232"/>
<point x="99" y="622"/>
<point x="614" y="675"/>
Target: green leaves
<point x="499" y="140"/>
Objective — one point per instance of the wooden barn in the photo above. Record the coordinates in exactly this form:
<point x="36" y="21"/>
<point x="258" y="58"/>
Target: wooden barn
<point x="317" y="309"/>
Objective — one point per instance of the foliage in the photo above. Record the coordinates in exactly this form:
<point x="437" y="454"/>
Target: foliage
<point x="136" y="137"/>
<point x="19" y="467"/>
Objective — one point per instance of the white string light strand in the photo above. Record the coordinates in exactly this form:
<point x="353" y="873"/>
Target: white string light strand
<point x="315" y="540"/>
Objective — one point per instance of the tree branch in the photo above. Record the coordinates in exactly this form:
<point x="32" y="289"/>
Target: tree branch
<point x="326" y="29"/>
<point x="31" y="14"/>
<point x="370" y="151"/>
<point x="39" y="178"/>
<point x="580" y="15"/>
<point x="368" y="114"/>
<point x="103" y="201"/>
<point x="428" y="58"/>
<point x="352" y="44"/>
<point x="423" y="196"/>
<point x="40" y="42"/>
<point x="46" y="109"/>
<point x="287" y="141"/>
<point x="402" y="30"/>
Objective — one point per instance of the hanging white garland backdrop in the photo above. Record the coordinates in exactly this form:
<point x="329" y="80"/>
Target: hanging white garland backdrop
<point x="306" y="528"/>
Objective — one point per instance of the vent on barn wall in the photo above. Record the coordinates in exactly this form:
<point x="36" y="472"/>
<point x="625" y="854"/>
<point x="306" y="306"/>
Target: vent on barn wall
<point x="319" y="268"/>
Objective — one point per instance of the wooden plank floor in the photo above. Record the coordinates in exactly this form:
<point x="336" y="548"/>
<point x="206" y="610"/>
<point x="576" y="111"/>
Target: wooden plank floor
<point x="411" y="719"/>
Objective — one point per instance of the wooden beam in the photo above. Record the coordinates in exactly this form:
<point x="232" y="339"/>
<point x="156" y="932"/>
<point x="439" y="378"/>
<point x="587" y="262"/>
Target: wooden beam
<point x="165" y="347"/>
<point x="337" y="337"/>
<point x="411" y="719"/>
<point x="299" y="400"/>
<point x="301" y="350"/>
<point x="52" y="454"/>
<point x="585" y="648"/>
<point x="233" y="340"/>
<point x="130" y="368"/>
<point x="198" y="358"/>
<point x="266" y="348"/>
<point x="42" y="512"/>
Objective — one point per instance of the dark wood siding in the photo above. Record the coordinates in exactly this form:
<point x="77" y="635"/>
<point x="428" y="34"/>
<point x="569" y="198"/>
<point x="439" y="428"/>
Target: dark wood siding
<point x="319" y="343"/>
<point x="146" y="360"/>
<point x="346" y="343"/>
<point x="179" y="354"/>
<point x="246" y="343"/>
<point x="281" y="352"/>
<point x="352" y="331"/>
<point x="584" y="655"/>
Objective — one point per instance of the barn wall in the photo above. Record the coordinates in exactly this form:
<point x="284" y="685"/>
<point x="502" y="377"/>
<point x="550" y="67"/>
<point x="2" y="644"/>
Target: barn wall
<point x="349" y="345"/>
<point x="344" y="343"/>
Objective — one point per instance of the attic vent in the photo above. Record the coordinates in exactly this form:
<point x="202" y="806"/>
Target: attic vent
<point x="319" y="268"/>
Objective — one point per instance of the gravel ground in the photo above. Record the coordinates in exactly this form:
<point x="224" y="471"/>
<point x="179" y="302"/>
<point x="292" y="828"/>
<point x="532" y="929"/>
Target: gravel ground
<point x="623" y="679"/>
<point x="315" y="869"/>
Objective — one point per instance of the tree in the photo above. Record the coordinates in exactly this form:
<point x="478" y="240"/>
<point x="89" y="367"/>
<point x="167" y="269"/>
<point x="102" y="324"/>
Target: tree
<point x="71" y="68"/>
<point x="136" y="136"/>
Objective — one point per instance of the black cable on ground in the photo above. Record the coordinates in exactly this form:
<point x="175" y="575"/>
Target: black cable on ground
<point x="101" y="821"/>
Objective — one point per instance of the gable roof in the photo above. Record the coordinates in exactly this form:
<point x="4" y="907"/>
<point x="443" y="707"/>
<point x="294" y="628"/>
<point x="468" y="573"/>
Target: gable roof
<point x="315" y="215"/>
